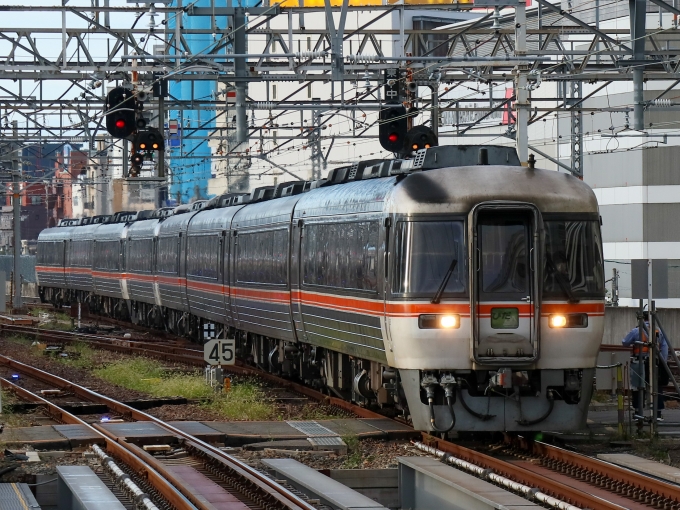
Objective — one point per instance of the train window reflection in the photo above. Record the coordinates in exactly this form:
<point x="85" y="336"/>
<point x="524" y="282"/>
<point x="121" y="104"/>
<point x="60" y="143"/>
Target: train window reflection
<point x="504" y="264"/>
<point x="140" y="255"/>
<point x="106" y="255"/>
<point x="424" y="251"/>
<point x="341" y="255"/>
<point x="167" y="259"/>
<point x="573" y="254"/>
<point x="263" y="257"/>
<point x="202" y="256"/>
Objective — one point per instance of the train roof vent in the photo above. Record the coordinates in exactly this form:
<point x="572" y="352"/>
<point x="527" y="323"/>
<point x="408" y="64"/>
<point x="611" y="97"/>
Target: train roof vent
<point x="320" y="183"/>
<point x="337" y="175"/>
<point x="278" y="189"/>
<point x="214" y="202"/>
<point x="240" y="200"/>
<point x="400" y="166"/>
<point x="145" y="215"/>
<point x="163" y="212"/>
<point x="124" y="217"/>
<point x="102" y="218"/>
<point x="230" y="199"/>
<point x="419" y="159"/>
<point x="69" y="222"/>
<point x="306" y="186"/>
<point x="199" y="205"/>
<point x="381" y="169"/>
<point x="85" y="220"/>
<point x="261" y="194"/>
<point x="182" y="208"/>
<point x="294" y="188"/>
<point x="356" y="171"/>
<point x="464" y="155"/>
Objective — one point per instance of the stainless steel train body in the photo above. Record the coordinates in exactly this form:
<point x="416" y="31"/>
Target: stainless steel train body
<point x="473" y="292"/>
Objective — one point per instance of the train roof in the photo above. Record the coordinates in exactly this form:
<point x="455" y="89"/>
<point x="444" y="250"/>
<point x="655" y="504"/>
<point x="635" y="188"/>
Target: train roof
<point x="266" y="213"/>
<point x="55" y="234"/>
<point x="353" y="197"/>
<point x="211" y="220"/>
<point x="143" y="228"/>
<point x="110" y="231"/>
<point x="458" y="190"/>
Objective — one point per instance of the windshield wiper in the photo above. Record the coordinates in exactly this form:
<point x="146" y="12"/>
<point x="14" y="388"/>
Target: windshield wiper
<point x="561" y="280"/>
<point x="438" y="295"/>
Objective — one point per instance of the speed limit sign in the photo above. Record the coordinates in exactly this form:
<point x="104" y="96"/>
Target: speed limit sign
<point x="220" y="352"/>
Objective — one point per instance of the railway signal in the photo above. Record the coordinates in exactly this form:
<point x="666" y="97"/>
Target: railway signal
<point x="392" y="128"/>
<point x="420" y="137"/>
<point x="120" y="113"/>
<point x="149" y="139"/>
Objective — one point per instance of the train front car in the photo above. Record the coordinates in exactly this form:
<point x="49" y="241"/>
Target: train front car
<point x="495" y="300"/>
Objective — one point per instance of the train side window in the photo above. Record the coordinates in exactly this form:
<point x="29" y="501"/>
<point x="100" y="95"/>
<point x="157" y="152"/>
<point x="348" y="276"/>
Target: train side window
<point x="341" y="255"/>
<point x="167" y="255"/>
<point x="106" y="255"/>
<point x="80" y="251"/>
<point x="202" y="256"/>
<point x="263" y="257"/>
<point x="139" y="255"/>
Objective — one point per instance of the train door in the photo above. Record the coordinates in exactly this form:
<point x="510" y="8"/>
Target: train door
<point x="224" y="276"/>
<point x="232" y="278"/>
<point x="505" y="299"/>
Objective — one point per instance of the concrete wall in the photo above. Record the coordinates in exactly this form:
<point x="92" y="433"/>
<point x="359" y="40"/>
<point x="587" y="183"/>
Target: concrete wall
<point x="620" y="320"/>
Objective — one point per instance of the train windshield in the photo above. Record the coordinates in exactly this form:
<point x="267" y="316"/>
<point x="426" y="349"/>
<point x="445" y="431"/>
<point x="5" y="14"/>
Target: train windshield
<point x="424" y="251"/>
<point x="573" y="265"/>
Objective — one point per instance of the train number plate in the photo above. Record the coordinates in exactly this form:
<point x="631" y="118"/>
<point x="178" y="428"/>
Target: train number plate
<point x="504" y="318"/>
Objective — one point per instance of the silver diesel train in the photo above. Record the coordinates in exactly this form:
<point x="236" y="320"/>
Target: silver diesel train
<point x="467" y="296"/>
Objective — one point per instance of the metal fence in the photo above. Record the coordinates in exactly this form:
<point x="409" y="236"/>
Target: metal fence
<point x="26" y="265"/>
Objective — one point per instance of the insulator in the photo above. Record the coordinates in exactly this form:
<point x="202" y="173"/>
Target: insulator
<point x="263" y="105"/>
<point x="663" y="103"/>
<point x="362" y="59"/>
<point x="310" y="54"/>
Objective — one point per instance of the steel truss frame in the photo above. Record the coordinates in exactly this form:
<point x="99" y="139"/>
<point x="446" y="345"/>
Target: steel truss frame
<point x="485" y="50"/>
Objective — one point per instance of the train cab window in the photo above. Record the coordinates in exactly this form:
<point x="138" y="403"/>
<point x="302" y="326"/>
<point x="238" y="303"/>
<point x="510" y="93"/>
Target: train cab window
<point x="140" y="255"/>
<point x="167" y="259"/>
<point x="504" y="263"/>
<point x="203" y="253"/>
<point x="263" y="257"/>
<point x="341" y="255"/>
<point x="107" y="255"/>
<point x="424" y="251"/>
<point x="573" y="262"/>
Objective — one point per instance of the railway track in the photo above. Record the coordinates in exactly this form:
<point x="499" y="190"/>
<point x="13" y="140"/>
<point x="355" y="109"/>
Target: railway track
<point x="568" y="477"/>
<point x="247" y="485"/>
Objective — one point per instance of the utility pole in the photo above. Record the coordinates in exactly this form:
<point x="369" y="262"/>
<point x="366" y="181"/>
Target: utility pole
<point x="638" y="14"/>
<point x="240" y="74"/>
<point x="16" y="204"/>
<point x="522" y="94"/>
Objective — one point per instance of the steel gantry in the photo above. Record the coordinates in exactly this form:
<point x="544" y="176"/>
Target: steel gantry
<point x="57" y="89"/>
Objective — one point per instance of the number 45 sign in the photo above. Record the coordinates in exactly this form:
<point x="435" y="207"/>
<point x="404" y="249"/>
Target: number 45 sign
<point x="220" y="352"/>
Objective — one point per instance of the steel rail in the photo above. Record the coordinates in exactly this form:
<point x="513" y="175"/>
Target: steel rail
<point x="280" y="494"/>
<point x="611" y="471"/>
<point x="554" y="488"/>
<point x="118" y="447"/>
<point x="522" y="475"/>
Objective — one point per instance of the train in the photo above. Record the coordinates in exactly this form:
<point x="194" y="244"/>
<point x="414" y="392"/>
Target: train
<point x="455" y="287"/>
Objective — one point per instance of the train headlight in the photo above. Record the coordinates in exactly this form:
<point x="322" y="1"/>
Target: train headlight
<point x="558" y="321"/>
<point x="570" y="320"/>
<point x="439" y="321"/>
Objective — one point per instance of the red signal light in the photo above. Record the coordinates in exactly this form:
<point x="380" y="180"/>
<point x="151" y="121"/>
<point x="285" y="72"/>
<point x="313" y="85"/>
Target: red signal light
<point x="393" y="137"/>
<point x="120" y="124"/>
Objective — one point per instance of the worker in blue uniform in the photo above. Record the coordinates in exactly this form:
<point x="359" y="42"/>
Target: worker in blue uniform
<point x="639" y="377"/>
